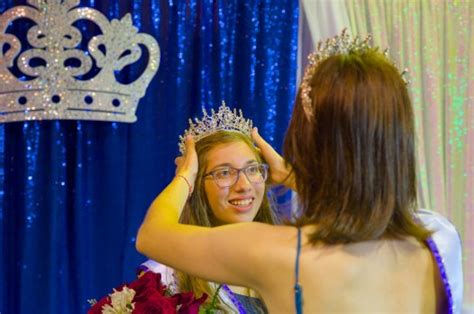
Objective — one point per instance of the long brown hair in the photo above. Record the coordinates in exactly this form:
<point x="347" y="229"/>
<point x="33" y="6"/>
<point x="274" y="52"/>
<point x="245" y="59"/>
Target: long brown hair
<point x="355" y="170"/>
<point x="198" y="212"/>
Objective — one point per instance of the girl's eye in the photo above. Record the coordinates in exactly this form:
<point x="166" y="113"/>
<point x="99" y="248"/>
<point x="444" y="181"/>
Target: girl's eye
<point x="252" y="170"/>
<point x="223" y="173"/>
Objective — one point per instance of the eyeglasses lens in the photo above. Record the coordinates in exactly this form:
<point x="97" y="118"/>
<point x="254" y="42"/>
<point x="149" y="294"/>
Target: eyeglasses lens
<point x="227" y="177"/>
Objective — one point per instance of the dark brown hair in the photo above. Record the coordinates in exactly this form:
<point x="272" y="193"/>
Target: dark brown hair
<point x="354" y="160"/>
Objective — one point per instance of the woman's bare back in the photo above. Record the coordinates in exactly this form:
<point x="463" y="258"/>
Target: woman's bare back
<point x="386" y="276"/>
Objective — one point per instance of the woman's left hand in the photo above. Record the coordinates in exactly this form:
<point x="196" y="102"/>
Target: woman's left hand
<point x="280" y="171"/>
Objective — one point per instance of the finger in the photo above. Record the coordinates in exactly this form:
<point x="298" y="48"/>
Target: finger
<point x="189" y="165"/>
<point x="189" y="144"/>
<point x="178" y="160"/>
<point x="261" y="143"/>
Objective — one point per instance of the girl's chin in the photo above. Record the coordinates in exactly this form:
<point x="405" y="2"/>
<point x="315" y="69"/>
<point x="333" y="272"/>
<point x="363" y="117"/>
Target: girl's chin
<point x="236" y="219"/>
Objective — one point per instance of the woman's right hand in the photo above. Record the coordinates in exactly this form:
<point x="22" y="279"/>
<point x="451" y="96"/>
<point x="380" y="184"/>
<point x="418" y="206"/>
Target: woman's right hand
<point x="187" y="165"/>
<point x="280" y="171"/>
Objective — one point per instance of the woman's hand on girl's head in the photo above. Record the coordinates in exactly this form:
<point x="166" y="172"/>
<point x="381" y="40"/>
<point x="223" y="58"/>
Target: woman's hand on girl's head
<point x="280" y="172"/>
<point x="187" y="165"/>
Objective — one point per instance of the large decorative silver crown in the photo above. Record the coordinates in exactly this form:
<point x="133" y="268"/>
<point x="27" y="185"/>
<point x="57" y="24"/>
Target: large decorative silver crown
<point x="54" y="89"/>
<point x="338" y="45"/>
<point x="222" y="120"/>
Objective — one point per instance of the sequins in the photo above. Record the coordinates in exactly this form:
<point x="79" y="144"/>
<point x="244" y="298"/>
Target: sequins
<point x="442" y="270"/>
<point x="56" y="92"/>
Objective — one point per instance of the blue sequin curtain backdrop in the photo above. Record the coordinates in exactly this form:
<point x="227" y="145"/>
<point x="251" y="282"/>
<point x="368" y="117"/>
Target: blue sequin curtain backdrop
<point x="75" y="192"/>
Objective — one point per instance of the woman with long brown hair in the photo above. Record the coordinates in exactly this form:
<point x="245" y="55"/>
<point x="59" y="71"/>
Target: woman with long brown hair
<point x="223" y="195"/>
<point x="360" y="243"/>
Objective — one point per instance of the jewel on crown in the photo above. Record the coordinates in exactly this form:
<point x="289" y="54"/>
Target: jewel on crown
<point x="223" y="120"/>
<point x="55" y="90"/>
<point x="338" y="45"/>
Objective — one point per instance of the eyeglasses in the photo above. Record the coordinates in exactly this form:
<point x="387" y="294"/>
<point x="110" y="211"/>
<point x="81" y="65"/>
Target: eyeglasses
<point x="228" y="176"/>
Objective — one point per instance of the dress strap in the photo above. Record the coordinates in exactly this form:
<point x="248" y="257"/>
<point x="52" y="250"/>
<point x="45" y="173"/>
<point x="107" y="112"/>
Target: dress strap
<point x="297" y="288"/>
<point x="234" y="299"/>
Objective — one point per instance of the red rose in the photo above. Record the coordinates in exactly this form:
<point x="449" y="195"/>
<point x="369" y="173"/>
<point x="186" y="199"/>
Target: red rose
<point x="150" y="298"/>
<point x="189" y="304"/>
<point x="156" y="303"/>
<point x="146" y="285"/>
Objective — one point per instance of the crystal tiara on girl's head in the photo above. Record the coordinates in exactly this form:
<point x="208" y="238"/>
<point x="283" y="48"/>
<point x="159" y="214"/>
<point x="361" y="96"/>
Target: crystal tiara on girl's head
<point x="223" y="120"/>
<point x="338" y="45"/>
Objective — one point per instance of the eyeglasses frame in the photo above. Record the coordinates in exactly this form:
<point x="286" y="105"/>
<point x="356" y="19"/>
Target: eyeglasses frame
<point x="239" y="170"/>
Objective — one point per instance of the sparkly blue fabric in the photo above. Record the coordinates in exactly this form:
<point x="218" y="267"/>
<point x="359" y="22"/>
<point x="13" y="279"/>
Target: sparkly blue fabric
<point x="444" y="277"/>
<point x="75" y="192"/>
<point x="251" y="305"/>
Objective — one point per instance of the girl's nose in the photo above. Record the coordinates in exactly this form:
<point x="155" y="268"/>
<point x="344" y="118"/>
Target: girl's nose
<point x="243" y="183"/>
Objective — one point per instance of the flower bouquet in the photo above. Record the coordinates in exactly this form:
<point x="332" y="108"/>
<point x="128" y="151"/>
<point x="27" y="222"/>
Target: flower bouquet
<point x="146" y="295"/>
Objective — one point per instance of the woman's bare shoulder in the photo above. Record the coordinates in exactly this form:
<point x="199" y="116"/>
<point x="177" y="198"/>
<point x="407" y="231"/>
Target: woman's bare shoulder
<point x="259" y="231"/>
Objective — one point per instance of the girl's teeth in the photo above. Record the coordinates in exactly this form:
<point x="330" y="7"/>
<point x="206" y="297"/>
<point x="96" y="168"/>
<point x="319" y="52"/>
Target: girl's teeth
<point x="242" y="202"/>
